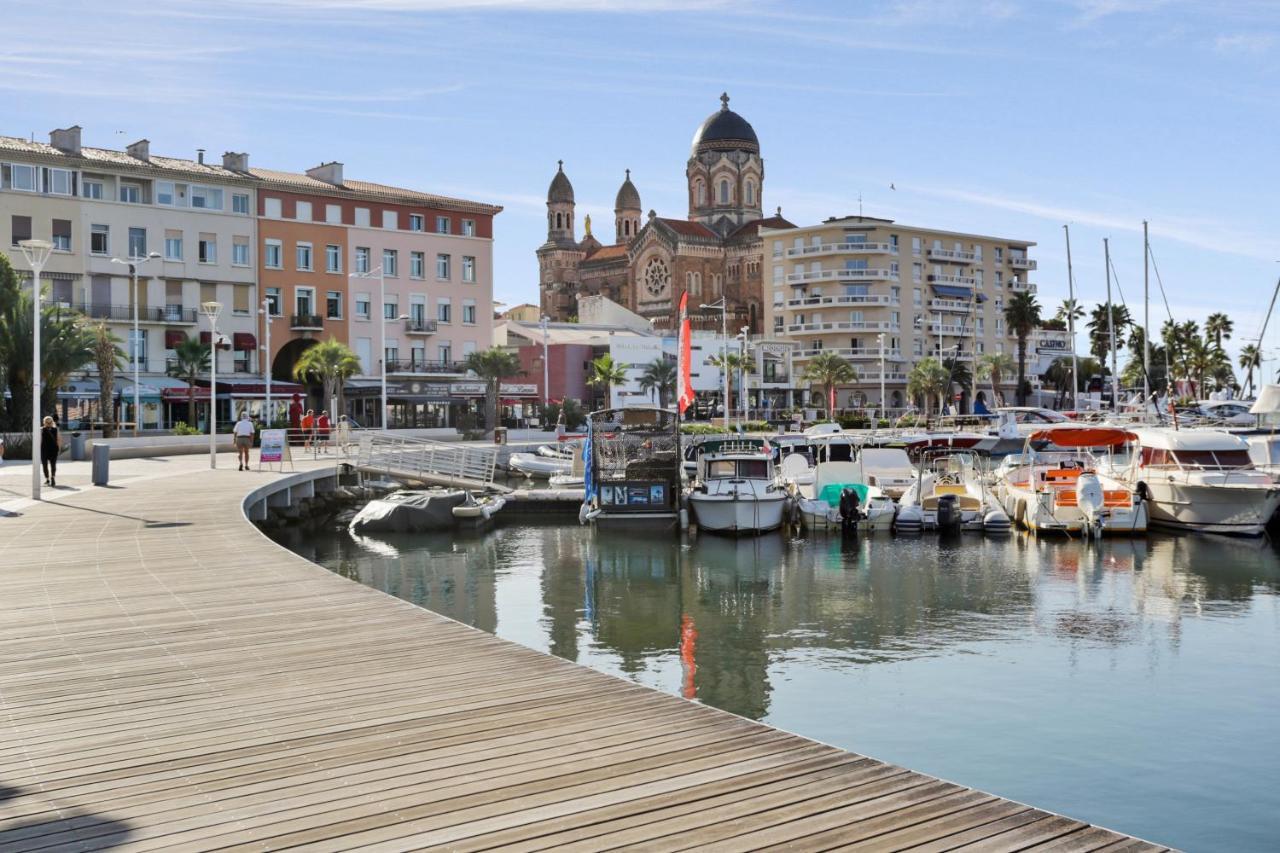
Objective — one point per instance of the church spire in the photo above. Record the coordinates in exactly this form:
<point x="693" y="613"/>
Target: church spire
<point x="626" y="211"/>
<point x="560" y="206"/>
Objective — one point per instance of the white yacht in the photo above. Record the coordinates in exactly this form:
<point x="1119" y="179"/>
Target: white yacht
<point x="1199" y="479"/>
<point x="949" y="494"/>
<point x="736" y="489"/>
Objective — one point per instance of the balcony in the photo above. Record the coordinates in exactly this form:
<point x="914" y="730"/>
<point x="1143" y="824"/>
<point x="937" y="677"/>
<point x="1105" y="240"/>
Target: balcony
<point x="843" y="249"/>
<point x="426" y="366"/>
<point x="420" y="327"/>
<point x="863" y="299"/>
<point x="949" y="329"/>
<point x="952" y="256"/>
<point x="1021" y="263"/>
<point x="873" y="376"/>
<point x="1021" y="286"/>
<point x="171" y="315"/>
<point x="959" y="305"/>
<point x="306" y="322"/>
<point x="842" y="275"/>
<point x="860" y="354"/>
<point x="962" y="280"/>
<point x="847" y="326"/>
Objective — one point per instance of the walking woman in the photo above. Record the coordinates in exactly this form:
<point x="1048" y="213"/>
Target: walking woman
<point x="49" y="447"/>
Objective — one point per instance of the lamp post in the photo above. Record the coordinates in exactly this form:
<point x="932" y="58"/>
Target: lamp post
<point x="265" y="311"/>
<point x="36" y="253"/>
<point x="546" y="371"/>
<point x="212" y="310"/>
<point x="723" y="305"/>
<point x="884" y="407"/>
<point x="132" y="264"/>
<point x="743" y="373"/>
<point x="382" y="336"/>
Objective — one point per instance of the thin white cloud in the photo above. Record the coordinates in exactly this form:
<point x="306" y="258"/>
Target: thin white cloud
<point x="575" y="6"/>
<point x="1253" y="44"/>
<point x="1092" y="11"/>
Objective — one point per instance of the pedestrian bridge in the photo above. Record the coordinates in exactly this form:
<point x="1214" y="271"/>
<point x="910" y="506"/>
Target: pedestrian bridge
<point x="436" y="463"/>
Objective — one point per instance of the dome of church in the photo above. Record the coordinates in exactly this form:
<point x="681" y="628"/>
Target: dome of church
<point x="725" y="129"/>
<point x="560" y="190"/>
<point x="628" y="196"/>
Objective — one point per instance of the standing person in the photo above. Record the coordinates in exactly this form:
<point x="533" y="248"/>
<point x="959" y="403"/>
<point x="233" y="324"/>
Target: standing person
<point x="244" y="439"/>
<point x="308" y="428"/>
<point x="49" y="447"/>
<point x="295" y="419"/>
<point x="323" y="427"/>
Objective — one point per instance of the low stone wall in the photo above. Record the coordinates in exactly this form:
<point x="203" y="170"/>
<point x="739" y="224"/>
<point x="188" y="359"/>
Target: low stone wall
<point x="161" y="445"/>
<point x="298" y="496"/>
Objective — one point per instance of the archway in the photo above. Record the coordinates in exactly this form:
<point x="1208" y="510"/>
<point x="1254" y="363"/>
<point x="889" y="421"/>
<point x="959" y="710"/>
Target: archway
<point x="287" y="356"/>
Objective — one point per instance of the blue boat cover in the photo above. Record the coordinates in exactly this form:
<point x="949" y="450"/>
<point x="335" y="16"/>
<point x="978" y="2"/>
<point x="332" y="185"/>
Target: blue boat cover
<point x="831" y="492"/>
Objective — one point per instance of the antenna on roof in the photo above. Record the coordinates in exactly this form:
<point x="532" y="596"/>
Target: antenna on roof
<point x="859" y="204"/>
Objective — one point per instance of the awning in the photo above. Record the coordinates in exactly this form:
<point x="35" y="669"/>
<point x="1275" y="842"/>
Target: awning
<point x="243" y="342"/>
<point x="153" y="387"/>
<point x="207" y="337"/>
<point x="81" y="389"/>
<point x="180" y="395"/>
<point x="174" y="338"/>
<point x="250" y="386"/>
<point x="952" y="291"/>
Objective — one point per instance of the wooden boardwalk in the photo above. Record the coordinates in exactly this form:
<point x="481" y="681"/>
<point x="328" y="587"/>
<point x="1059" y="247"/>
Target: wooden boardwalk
<point x="169" y="678"/>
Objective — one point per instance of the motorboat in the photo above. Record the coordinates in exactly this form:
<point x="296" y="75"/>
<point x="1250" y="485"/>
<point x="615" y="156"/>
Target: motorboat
<point x="736" y="489"/>
<point x="887" y="468"/>
<point x="478" y="511"/>
<point x="836" y="497"/>
<point x="574" y="477"/>
<point x="549" y="451"/>
<point x="949" y="495"/>
<point x="1063" y="490"/>
<point x="1199" y="479"/>
<point x="535" y="465"/>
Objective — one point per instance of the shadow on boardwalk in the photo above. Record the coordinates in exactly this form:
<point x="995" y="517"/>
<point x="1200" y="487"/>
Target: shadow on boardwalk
<point x="50" y="826"/>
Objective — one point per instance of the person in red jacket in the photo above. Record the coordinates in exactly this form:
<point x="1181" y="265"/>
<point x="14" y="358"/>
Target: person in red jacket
<point x="295" y="420"/>
<point x="323" y="427"/>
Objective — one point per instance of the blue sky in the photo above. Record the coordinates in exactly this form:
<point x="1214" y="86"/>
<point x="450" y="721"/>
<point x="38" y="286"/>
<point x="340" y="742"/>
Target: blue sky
<point x="1006" y="117"/>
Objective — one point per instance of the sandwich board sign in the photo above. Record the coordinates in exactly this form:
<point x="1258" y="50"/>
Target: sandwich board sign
<point x="274" y="448"/>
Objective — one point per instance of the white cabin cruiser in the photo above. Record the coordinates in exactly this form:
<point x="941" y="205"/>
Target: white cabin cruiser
<point x="736" y="489"/>
<point x="1199" y="479"/>
<point x="836" y="498"/>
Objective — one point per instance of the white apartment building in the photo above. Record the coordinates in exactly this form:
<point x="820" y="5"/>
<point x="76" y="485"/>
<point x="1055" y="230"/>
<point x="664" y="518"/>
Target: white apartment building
<point x="854" y="285"/>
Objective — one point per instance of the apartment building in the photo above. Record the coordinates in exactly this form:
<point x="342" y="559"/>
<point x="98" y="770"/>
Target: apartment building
<point x="852" y="284"/>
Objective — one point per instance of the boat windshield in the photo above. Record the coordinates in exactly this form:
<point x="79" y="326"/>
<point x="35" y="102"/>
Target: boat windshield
<point x="742" y="469"/>
<point x="1196" y="459"/>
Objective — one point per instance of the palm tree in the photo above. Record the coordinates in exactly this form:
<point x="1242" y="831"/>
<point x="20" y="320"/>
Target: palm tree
<point x="729" y="364"/>
<point x="994" y="366"/>
<point x="659" y="375"/>
<point x="108" y="357"/>
<point x="1022" y="315"/>
<point x="331" y="363"/>
<point x="66" y="345"/>
<point x="959" y="372"/>
<point x="1219" y="327"/>
<point x="1069" y="311"/>
<point x="1100" y="332"/>
<point x="927" y="379"/>
<point x="829" y="370"/>
<point x="492" y="365"/>
<point x="1250" y="360"/>
<point x="605" y="374"/>
<point x="190" y="364"/>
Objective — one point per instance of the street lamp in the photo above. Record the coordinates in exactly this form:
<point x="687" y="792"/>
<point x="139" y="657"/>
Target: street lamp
<point x="212" y="310"/>
<point x="132" y="264"/>
<point x="723" y="305"/>
<point x="743" y="334"/>
<point x="265" y="311"/>
<point x="546" y="371"/>
<point x="884" y="406"/>
<point x="382" y="334"/>
<point x="37" y="254"/>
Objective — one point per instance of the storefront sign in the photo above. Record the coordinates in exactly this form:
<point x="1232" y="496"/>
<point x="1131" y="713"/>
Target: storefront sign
<point x="507" y="389"/>
<point x="466" y="389"/>
<point x="273" y="445"/>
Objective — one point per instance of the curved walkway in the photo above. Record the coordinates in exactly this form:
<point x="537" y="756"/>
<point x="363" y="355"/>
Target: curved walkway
<point x="169" y="678"/>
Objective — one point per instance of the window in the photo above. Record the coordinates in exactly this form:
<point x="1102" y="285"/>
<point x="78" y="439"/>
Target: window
<point x="915" y="246"/>
<point x="977" y="252"/>
<point x="917" y="273"/>
<point x="362" y="217"/>
<point x="131" y="193"/>
<point x="445" y="353"/>
<point x="468" y="228"/>
<point x="172" y="245"/>
<point x="418" y="310"/>
<point x="417" y="264"/>
<point x="442" y="225"/>
<point x="917" y="297"/>
<point x="417" y="222"/>
<point x="999" y="253"/>
<point x="138" y="347"/>
<point x="724" y="192"/>
<point x="442" y="267"/>
<point x="977" y="275"/>
<point x="272" y="208"/>
<point x="59" y="181"/>
<point x="390" y="309"/>
<point x="137" y="242"/>
<point x="362" y="306"/>
<point x="362" y="259"/>
<point x="208" y="198"/>
<point x="99" y="240"/>
<point x="91" y="189"/>
<point x="392" y="351"/>
<point x="333" y="305"/>
<point x="302" y="211"/>
<point x="777" y="248"/>
<point x="208" y="249"/>
<point x="469" y="312"/>
<point x="62" y="235"/>
<point x="273" y="301"/>
<point x="444" y="311"/>
<point x="700" y="193"/>
<point x="390" y="220"/>
<point x="390" y="262"/>
<point x="468" y="268"/>
<point x="777" y="274"/>
<point x="273" y="254"/>
<point x="751" y="193"/>
<point x="240" y="203"/>
<point x="164" y="192"/>
<point x="304" y="301"/>
<point x="302" y="256"/>
<point x="240" y="251"/>
<point x="893" y="243"/>
<point x="22" y="178"/>
<point x="332" y="258"/>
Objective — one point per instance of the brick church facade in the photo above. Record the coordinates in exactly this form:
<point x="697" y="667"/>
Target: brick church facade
<point x="714" y="253"/>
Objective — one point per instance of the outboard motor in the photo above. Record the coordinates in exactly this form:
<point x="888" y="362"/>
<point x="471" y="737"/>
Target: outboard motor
<point x="949" y="517"/>
<point x="850" y="510"/>
<point x="1091" y="500"/>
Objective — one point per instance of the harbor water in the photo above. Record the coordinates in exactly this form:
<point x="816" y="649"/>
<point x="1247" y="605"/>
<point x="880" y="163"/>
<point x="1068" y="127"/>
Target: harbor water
<point x="1133" y="684"/>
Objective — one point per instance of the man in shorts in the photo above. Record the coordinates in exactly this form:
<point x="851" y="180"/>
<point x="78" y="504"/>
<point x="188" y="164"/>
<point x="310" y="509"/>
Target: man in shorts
<point x="244" y="439"/>
<point x="308" y="429"/>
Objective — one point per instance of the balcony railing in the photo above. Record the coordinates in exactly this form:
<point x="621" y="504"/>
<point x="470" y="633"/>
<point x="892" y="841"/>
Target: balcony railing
<point x="951" y="305"/>
<point x="846" y="326"/>
<point x="860" y="354"/>
<point x="843" y="249"/>
<point x="953" y="256"/>
<point x="170" y="314"/>
<point x="842" y="275"/>
<point x="1021" y="263"/>
<point x="962" y="280"/>
<point x="949" y="329"/>
<point x="420" y="327"/>
<point x="1021" y="286"/>
<point x="306" y="321"/>
<point x="844" y="299"/>
<point x="241" y="366"/>
<point x="426" y="366"/>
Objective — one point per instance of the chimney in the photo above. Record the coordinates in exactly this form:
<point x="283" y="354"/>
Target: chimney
<point x="140" y="150"/>
<point x="234" y="161"/>
<point x="67" y="141"/>
<point x="330" y="173"/>
<point x="200" y="156"/>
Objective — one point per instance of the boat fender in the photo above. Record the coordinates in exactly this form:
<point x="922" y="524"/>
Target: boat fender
<point x="1143" y="493"/>
<point x="582" y="513"/>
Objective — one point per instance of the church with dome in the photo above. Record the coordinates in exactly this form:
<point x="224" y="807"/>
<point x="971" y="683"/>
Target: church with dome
<point x="714" y="252"/>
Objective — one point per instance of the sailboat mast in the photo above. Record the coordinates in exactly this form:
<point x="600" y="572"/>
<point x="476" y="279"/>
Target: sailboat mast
<point x="1071" y="326"/>
<point x="1146" y="316"/>
<point x="1111" y="329"/>
<point x="1265" y="322"/>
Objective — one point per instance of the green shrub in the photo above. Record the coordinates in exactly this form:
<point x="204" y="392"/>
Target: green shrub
<point x="183" y="428"/>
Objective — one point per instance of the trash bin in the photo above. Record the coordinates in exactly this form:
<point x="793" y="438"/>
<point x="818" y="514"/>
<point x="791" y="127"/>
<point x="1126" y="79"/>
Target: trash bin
<point x="500" y="435"/>
<point x="77" y="447"/>
<point x="101" y="462"/>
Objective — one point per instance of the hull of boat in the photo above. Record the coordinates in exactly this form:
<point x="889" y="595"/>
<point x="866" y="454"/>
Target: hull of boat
<point x="1025" y="509"/>
<point x="819" y="515"/>
<point x="1236" y="510"/>
<point x="738" y="514"/>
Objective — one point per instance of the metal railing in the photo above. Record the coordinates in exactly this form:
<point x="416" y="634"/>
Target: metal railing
<point x="961" y="256"/>
<point x="844" y="248"/>
<point x="1022" y="263"/>
<point x="843" y="299"/>
<point x="420" y="327"/>
<point x="124" y="313"/>
<point x="425" y="366"/>
<point x="424" y="459"/>
<point x="306" y="321"/>
<point x="940" y="278"/>
<point x="848" y="274"/>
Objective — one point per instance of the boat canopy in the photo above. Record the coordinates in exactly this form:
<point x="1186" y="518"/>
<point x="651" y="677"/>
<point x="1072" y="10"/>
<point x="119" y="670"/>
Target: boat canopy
<point x="1190" y="439"/>
<point x="1268" y="402"/>
<point x="1083" y="436"/>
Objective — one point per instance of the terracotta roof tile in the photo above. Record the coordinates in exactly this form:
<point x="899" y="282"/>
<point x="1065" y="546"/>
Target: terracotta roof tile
<point x="607" y="253"/>
<point x="305" y="183"/>
<point x="754" y="227"/>
<point x="106" y="157"/>
<point x="689" y="229"/>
